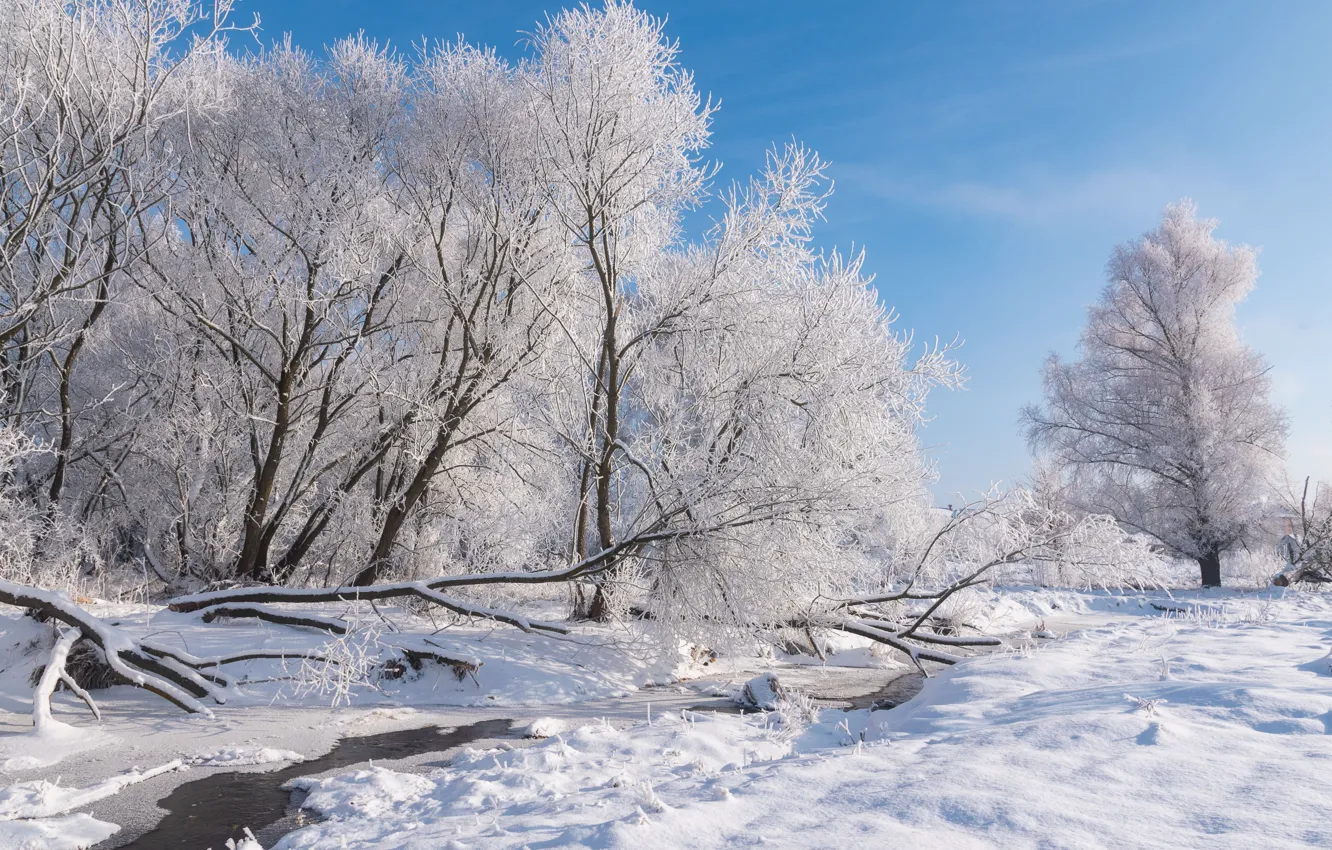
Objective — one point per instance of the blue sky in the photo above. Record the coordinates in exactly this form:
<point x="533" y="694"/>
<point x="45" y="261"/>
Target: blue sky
<point x="988" y="156"/>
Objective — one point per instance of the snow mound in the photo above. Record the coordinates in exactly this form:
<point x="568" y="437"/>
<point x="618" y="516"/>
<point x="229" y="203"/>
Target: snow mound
<point x="765" y="692"/>
<point x="375" y="715"/>
<point x="1322" y="666"/>
<point x="246" y="843"/>
<point x="544" y="727"/>
<point x="372" y="792"/>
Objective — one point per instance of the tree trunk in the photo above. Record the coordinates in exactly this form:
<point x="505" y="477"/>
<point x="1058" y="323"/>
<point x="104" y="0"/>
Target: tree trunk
<point x="1210" y="565"/>
<point x="599" y="611"/>
<point x="395" y="518"/>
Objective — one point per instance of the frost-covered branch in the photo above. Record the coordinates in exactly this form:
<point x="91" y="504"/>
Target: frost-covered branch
<point x="172" y="674"/>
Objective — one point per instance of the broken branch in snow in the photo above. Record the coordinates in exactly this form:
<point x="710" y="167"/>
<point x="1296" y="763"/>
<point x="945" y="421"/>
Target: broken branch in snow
<point x="600" y="562"/>
<point x="423" y="649"/>
<point x="917" y="654"/>
<point x="1147" y="706"/>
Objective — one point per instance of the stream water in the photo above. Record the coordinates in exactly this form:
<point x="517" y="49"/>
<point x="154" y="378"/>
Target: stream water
<point x="207" y="812"/>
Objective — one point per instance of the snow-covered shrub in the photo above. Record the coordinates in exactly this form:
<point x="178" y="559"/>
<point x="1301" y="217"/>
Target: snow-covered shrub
<point x="794" y="713"/>
<point x="1025" y="538"/>
<point x="37" y="547"/>
<point x="342" y="666"/>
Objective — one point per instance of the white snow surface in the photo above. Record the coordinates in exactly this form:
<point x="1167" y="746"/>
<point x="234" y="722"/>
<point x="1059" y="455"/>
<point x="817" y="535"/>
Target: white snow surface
<point x="1223" y="741"/>
<point x="237" y="755"/>
<point x="55" y="743"/>
<point x="39" y="798"/>
<point x="545" y="727"/>
<point x="71" y="832"/>
<point x="1151" y="720"/>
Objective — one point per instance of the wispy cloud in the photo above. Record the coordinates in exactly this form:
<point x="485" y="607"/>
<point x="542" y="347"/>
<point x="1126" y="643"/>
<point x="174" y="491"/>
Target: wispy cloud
<point x="1037" y="199"/>
<point x="1099" y="55"/>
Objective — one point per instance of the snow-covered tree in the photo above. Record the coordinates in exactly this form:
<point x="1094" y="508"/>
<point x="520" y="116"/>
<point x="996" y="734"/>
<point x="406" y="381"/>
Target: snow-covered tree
<point x="735" y="396"/>
<point x="1165" y="421"/>
<point x="86" y="90"/>
<point x="352" y="317"/>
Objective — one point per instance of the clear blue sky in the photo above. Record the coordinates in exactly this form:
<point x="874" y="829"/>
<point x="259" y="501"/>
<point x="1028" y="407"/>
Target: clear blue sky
<point x="989" y="154"/>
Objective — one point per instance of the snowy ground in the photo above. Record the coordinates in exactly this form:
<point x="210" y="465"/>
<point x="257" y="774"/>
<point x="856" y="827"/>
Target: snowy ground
<point x="1202" y="725"/>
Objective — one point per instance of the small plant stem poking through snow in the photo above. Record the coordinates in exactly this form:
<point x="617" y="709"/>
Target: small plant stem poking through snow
<point x="1146" y="706"/>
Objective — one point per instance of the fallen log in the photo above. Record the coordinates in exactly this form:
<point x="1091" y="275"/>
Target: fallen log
<point x="252" y="602"/>
<point x="173" y="674"/>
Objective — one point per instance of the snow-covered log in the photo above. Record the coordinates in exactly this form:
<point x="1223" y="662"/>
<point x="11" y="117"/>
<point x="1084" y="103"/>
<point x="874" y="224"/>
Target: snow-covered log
<point x="175" y="675"/>
<point x="273" y="615"/>
<point x="247" y="602"/>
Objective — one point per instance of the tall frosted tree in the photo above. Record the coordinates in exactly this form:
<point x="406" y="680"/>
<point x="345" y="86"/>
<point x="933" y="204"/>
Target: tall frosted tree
<point x="1165" y="422"/>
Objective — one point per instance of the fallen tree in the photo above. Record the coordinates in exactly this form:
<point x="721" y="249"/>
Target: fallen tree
<point x="903" y="613"/>
<point x="986" y="535"/>
<point x="183" y="679"/>
<point x="174" y="675"/>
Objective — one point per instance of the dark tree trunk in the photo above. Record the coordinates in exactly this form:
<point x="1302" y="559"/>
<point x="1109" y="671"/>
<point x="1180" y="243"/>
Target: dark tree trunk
<point x="1210" y="565"/>
<point x="600" y="609"/>
<point x="398" y="513"/>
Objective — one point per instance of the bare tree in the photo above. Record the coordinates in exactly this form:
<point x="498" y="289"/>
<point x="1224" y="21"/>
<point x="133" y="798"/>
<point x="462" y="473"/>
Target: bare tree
<point x="1165" y="421"/>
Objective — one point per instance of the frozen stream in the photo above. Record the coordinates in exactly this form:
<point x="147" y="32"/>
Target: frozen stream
<point x="209" y="811"/>
<point x="204" y="806"/>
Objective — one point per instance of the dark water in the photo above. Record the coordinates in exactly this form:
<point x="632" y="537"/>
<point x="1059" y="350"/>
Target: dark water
<point x="891" y="695"/>
<point x="206" y="812"/>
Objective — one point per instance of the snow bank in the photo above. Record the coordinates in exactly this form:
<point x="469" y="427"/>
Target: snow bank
<point x="72" y="832"/>
<point x="39" y="798"/>
<point x="560" y="790"/>
<point x="240" y="755"/>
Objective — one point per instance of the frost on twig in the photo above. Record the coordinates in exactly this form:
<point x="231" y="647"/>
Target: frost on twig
<point x="1146" y="706"/>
